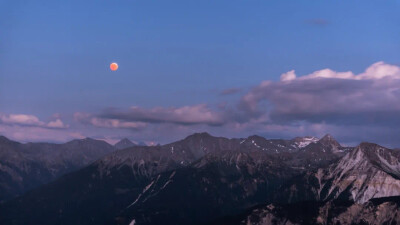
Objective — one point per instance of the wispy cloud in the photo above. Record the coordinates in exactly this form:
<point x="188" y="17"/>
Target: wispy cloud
<point x="30" y="120"/>
<point x="185" y="115"/>
<point x="107" y="123"/>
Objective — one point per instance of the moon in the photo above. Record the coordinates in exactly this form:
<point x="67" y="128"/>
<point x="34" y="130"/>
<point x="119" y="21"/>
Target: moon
<point x="113" y="66"/>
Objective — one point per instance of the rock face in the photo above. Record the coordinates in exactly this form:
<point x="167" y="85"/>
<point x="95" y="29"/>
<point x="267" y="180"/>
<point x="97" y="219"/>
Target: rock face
<point x="363" y="187"/>
<point x="370" y="171"/>
<point x="26" y="166"/>
<point x="373" y="212"/>
<point x="214" y="180"/>
<point x="217" y="185"/>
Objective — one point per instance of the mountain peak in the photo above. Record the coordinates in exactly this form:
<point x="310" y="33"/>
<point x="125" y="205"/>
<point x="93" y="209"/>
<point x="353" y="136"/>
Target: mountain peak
<point x="372" y="150"/>
<point x="327" y="137"/>
<point x="199" y="135"/>
<point x="386" y="159"/>
<point x="4" y="139"/>
<point x="124" y="143"/>
<point x="329" y="140"/>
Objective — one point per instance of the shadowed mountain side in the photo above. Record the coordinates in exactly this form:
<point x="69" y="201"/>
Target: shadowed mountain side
<point x="202" y="179"/>
<point x="26" y="166"/>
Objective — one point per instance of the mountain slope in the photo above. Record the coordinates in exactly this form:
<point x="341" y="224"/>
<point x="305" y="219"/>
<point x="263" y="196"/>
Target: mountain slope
<point x="96" y="193"/>
<point x="370" y="171"/>
<point x="373" y="212"/>
<point x="214" y="180"/>
<point x="317" y="153"/>
<point x="366" y="172"/>
<point x="26" y="166"/>
<point x="219" y="184"/>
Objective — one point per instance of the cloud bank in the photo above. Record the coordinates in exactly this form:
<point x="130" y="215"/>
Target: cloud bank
<point x="186" y="115"/>
<point x="371" y="97"/>
<point x="353" y="107"/>
<point x="30" y="120"/>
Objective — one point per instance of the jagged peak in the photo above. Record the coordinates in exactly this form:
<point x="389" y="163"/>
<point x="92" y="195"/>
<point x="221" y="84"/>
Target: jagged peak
<point x="124" y="143"/>
<point x="124" y="140"/>
<point x="327" y="137"/>
<point x="373" y="152"/>
<point x="329" y="140"/>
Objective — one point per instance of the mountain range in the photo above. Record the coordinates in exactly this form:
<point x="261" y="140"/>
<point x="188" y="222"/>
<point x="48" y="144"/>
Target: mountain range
<point x="26" y="166"/>
<point x="203" y="179"/>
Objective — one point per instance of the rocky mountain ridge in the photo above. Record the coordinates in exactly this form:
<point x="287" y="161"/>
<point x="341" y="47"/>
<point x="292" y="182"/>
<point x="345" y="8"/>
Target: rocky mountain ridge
<point x="26" y="166"/>
<point x="203" y="179"/>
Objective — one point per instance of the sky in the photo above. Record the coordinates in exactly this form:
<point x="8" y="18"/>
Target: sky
<point x="279" y="69"/>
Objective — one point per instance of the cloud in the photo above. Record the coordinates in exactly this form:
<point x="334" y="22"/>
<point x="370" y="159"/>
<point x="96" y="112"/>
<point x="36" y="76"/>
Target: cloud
<point x="352" y="106"/>
<point x="114" y="123"/>
<point x="325" y="97"/>
<point x="185" y="115"/>
<point x="30" y="120"/>
<point x="376" y="71"/>
<point x="56" y="124"/>
<point x="35" y="133"/>
<point x="371" y="97"/>
<point x="21" y="119"/>
<point x="107" y="123"/>
<point x="291" y="75"/>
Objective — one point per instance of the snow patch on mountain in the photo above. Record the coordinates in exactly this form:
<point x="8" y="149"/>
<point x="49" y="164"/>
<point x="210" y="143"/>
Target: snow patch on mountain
<point x="305" y="141"/>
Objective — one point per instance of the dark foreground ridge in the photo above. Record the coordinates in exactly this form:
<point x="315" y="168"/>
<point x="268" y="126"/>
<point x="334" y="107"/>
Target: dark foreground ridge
<point x="204" y="179"/>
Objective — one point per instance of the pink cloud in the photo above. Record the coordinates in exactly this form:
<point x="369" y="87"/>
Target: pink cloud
<point x="35" y="134"/>
<point x="377" y="70"/>
<point x="107" y="123"/>
<point x="325" y="101"/>
<point x="30" y="120"/>
<point x="137" y="116"/>
<point x="114" y="123"/>
<point x="325" y="95"/>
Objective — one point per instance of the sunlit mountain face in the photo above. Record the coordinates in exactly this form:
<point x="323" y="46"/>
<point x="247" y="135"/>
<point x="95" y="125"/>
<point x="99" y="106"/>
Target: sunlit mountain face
<point x="199" y="112"/>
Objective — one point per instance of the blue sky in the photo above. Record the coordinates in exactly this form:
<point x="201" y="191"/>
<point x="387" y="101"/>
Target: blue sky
<point x="54" y="55"/>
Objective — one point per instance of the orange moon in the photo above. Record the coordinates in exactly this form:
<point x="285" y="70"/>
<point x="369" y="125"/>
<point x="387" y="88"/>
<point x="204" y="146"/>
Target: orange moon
<point x="114" y="66"/>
